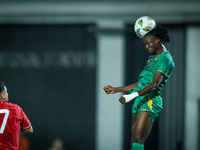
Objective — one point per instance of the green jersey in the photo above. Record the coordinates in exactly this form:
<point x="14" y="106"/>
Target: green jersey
<point x="152" y="102"/>
<point x="163" y="63"/>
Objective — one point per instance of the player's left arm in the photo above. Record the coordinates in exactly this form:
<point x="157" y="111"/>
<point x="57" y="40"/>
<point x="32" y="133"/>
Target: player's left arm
<point x="157" y="79"/>
<point x="26" y="126"/>
<point x="28" y="130"/>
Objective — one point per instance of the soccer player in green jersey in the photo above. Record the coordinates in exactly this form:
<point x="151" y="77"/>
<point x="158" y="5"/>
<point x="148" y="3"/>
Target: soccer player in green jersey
<point x="147" y="91"/>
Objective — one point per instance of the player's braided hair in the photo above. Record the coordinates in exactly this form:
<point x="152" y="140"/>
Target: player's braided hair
<point x="2" y="87"/>
<point x="160" y="32"/>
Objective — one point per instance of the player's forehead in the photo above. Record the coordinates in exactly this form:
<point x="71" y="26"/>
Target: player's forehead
<point x="148" y="38"/>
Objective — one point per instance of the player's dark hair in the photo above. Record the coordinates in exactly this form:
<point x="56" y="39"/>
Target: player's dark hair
<point x="2" y="87"/>
<point x="160" y="32"/>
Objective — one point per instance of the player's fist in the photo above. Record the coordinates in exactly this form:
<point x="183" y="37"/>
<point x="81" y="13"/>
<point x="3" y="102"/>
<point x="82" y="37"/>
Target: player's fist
<point x="122" y="100"/>
<point x="109" y="89"/>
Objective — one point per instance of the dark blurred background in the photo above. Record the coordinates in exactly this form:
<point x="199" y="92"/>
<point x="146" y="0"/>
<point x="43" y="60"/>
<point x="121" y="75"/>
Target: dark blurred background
<point x="56" y="56"/>
<point x="50" y="72"/>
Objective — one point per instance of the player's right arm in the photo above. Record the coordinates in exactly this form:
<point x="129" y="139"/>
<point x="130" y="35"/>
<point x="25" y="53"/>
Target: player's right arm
<point x="111" y="90"/>
<point x="29" y="130"/>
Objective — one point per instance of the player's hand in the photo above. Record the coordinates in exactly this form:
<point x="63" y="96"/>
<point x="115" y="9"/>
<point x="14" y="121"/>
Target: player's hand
<point x="122" y="100"/>
<point x="109" y="89"/>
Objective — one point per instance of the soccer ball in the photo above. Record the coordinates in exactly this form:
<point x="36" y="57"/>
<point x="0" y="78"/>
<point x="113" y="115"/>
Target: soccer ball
<point x="143" y="25"/>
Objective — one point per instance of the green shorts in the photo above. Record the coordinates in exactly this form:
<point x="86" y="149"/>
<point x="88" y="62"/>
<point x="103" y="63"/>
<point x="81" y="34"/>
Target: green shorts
<point x="149" y="103"/>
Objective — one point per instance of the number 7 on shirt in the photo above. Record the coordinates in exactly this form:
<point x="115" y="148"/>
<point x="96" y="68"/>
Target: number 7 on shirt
<point x="3" y="125"/>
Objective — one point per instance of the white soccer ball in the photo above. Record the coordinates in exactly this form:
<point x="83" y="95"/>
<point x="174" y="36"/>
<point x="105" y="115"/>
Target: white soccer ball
<point x="143" y="25"/>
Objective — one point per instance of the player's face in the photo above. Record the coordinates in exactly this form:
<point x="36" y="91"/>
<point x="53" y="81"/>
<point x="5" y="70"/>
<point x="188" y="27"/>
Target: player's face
<point x="5" y="94"/>
<point x="151" y="43"/>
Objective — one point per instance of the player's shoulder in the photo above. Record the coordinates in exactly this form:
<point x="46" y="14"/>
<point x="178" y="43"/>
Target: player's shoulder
<point x="12" y="105"/>
<point x="168" y="59"/>
<point x="166" y="56"/>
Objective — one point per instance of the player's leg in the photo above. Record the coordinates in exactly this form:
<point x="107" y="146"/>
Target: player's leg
<point x="141" y="127"/>
<point x="133" y="126"/>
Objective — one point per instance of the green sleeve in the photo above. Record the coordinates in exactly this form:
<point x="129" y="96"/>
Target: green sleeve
<point x="166" y="66"/>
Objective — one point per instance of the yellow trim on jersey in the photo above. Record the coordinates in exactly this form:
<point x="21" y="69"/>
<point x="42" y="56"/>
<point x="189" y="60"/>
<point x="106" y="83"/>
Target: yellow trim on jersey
<point x="150" y="103"/>
<point x="157" y="57"/>
<point x="162" y="72"/>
